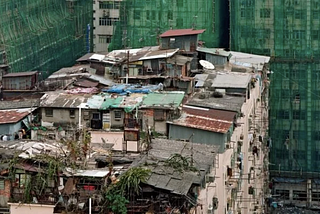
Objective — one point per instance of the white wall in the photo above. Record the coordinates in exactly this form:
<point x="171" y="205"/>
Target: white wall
<point x="102" y="30"/>
<point x="31" y="208"/>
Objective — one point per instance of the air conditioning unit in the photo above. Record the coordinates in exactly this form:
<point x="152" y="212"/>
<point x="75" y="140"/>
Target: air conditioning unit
<point x="149" y="70"/>
<point x="210" y="178"/>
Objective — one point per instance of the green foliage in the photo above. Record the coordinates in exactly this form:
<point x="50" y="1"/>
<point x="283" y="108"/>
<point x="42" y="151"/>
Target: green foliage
<point x="116" y="202"/>
<point x="130" y="180"/>
<point x="180" y="163"/>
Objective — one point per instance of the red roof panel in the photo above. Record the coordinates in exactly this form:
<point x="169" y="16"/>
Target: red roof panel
<point x="181" y="32"/>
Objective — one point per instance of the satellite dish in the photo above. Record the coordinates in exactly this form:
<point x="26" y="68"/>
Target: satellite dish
<point x="206" y="64"/>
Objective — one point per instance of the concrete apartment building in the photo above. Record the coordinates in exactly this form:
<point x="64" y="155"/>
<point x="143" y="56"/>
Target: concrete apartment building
<point x="106" y="14"/>
<point x="288" y="32"/>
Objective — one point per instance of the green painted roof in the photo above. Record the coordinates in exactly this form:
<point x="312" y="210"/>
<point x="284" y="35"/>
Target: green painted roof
<point x="163" y="99"/>
<point x="111" y="103"/>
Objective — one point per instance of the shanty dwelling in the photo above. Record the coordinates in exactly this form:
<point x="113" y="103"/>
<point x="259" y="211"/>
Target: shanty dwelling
<point x="184" y="39"/>
<point x="181" y="179"/>
<point x="158" y="108"/>
<point x="14" y="120"/>
<point x="20" y="81"/>
<point x="25" y="185"/>
<point x="218" y="57"/>
<point x="70" y="111"/>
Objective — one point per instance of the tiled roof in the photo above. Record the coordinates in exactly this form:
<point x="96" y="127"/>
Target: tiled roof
<point x="181" y="32"/>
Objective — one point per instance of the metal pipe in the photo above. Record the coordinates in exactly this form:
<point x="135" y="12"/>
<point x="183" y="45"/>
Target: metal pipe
<point x="89" y="205"/>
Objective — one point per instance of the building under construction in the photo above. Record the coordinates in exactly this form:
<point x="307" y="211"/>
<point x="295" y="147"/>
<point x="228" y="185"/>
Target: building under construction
<point x="289" y="32"/>
<point x="142" y="21"/>
<point x="43" y="35"/>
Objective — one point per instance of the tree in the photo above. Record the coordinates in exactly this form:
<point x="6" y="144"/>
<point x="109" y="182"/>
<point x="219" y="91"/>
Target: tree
<point x="130" y="180"/>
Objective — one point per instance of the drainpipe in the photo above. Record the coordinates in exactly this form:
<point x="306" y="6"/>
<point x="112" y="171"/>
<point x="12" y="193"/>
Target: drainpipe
<point x="89" y="205"/>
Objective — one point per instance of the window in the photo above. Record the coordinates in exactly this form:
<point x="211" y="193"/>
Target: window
<point x="96" y="116"/>
<point x="298" y="115"/>
<point x="21" y="180"/>
<point x="159" y="115"/>
<point x="109" y="5"/>
<point x="136" y="14"/>
<point x="242" y="13"/>
<point x="147" y="14"/>
<point x="179" y="3"/>
<point x="102" y="21"/>
<point x="298" y="14"/>
<point x="2" y="184"/>
<point x="315" y="34"/>
<point x="104" y="39"/>
<point x="284" y="194"/>
<point x="283" y="114"/>
<point x="315" y="14"/>
<point x="49" y="112"/>
<point x="170" y="15"/>
<point x="299" y="195"/>
<point x="265" y="13"/>
<point x="117" y="115"/>
<point x="72" y="113"/>
<point x="179" y="22"/>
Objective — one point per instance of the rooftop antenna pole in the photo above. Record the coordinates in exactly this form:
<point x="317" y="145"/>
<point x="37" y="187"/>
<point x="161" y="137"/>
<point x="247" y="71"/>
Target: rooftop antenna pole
<point x="127" y="73"/>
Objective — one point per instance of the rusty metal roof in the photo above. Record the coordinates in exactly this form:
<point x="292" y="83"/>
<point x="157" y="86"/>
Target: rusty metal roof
<point x="212" y="113"/>
<point x="181" y="32"/>
<point x="20" y="74"/>
<point x="204" y="123"/>
<point x="14" y="115"/>
<point x="206" y="119"/>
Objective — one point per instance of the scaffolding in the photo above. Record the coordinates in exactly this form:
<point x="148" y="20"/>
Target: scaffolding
<point x="288" y="31"/>
<point x="142" y="21"/>
<point x="43" y="35"/>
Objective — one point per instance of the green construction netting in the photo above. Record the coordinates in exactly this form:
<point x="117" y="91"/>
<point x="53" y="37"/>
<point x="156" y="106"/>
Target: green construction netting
<point x="289" y="32"/>
<point x="142" y="21"/>
<point x="43" y="35"/>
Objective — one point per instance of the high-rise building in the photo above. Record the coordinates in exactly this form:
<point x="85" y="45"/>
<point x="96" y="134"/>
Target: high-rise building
<point x="44" y="35"/>
<point x="142" y="21"/>
<point x="105" y="17"/>
<point x="289" y="32"/>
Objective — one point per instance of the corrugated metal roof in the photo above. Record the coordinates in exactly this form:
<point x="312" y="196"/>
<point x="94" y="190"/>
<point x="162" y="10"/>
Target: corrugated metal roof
<point x="211" y="113"/>
<point x="181" y="32"/>
<point x="205" y="123"/>
<point x="97" y="57"/>
<point x="62" y="100"/>
<point x="231" y="80"/>
<point x="159" y="54"/>
<point x="230" y="103"/>
<point x="168" y="178"/>
<point x="215" y="51"/>
<point x="163" y="99"/>
<point x="20" y="74"/>
<point x="111" y="102"/>
<point x="249" y="60"/>
<point x="14" y="115"/>
<point x="85" y="57"/>
<point x="91" y="173"/>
